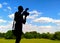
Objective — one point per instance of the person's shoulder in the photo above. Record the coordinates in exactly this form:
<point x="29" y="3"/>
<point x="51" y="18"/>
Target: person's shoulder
<point x="16" y="12"/>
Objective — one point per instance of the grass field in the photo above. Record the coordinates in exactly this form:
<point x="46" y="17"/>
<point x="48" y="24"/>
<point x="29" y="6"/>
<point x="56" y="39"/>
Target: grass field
<point x="30" y="41"/>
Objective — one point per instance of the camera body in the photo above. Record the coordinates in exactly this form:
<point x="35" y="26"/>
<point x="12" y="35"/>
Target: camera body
<point x="25" y="12"/>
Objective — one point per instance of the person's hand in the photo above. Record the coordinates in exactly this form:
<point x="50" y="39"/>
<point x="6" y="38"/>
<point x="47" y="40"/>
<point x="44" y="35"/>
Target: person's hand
<point x="26" y="9"/>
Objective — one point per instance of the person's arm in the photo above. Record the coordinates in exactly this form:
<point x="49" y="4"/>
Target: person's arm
<point x="13" y="25"/>
<point x="25" y="14"/>
<point x="24" y="19"/>
<point x="14" y="21"/>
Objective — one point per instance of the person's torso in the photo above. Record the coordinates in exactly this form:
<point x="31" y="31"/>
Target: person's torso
<point x="18" y="17"/>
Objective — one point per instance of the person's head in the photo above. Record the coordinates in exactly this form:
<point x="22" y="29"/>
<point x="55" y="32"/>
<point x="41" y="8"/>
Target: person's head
<point x="20" y="8"/>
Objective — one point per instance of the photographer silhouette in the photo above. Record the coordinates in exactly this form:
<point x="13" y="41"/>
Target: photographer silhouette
<point x="18" y="21"/>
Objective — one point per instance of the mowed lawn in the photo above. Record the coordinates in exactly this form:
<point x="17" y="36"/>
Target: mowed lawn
<point x="30" y="41"/>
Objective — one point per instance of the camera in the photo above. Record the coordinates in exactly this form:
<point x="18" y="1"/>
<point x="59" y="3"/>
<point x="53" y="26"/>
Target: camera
<point x="25" y="12"/>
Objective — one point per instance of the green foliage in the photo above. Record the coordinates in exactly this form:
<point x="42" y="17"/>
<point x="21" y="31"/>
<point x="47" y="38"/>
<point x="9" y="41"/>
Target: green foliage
<point x="47" y="35"/>
<point x="2" y="35"/>
<point x="9" y="35"/>
<point x="33" y="34"/>
<point x="57" y="35"/>
<point x="28" y="35"/>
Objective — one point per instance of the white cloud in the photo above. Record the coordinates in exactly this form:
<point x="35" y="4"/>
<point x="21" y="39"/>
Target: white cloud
<point x="30" y="17"/>
<point x="5" y="3"/>
<point x="2" y="21"/>
<point x="43" y="19"/>
<point x="5" y="28"/>
<point x="11" y="16"/>
<point x="47" y="20"/>
<point x="29" y="27"/>
<point x="45" y="27"/>
<point x="9" y="8"/>
<point x="34" y="14"/>
<point x="57" y="22"/>
<point x="40" y="29"/>
<point x="0" y="5"/>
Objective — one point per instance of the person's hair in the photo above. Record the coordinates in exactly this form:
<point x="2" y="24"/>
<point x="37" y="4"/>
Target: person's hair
<point x="20" y="8"/>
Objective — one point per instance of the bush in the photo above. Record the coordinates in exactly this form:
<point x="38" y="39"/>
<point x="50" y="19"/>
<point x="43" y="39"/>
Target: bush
<point x="9" y="35"/>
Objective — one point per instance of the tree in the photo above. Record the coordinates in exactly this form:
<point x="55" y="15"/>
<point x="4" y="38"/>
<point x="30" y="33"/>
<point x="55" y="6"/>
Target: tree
<point x="44" y="35"/>
<point x="28" y="35"/>
<point x="57" y="35"/>
<point x="9" y="35"/>
<point x="32" y="34"/>
<point x="2" y="35"/>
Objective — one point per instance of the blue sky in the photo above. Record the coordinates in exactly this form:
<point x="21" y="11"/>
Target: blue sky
<point x="44" y="15"/>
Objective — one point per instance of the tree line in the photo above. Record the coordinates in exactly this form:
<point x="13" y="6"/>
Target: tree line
<point x="31" y="35"/>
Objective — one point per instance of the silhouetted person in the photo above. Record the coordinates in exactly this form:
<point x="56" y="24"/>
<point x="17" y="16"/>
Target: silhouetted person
<point x="18" y="21"/>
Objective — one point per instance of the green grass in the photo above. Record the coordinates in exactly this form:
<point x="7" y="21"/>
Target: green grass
<point x="30" y="41"/>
